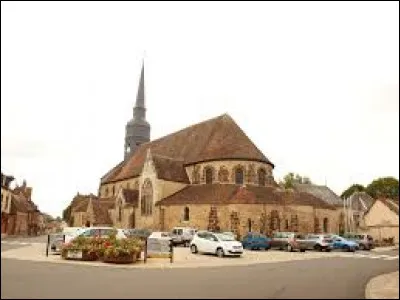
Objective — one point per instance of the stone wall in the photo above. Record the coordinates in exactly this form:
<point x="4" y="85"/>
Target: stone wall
<point x="255" y="217"/>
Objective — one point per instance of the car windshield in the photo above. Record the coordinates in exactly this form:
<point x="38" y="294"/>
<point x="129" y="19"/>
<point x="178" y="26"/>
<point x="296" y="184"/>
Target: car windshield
<point x="225" y="237"/>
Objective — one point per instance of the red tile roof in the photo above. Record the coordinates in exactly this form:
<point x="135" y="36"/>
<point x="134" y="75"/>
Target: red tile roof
<point x="216" y="139"/>
<point x="235" y="194"/>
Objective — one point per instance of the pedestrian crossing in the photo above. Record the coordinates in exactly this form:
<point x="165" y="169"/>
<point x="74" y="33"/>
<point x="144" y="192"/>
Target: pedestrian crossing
<point x="370" y="256"/>
<point x="19" y="243"/>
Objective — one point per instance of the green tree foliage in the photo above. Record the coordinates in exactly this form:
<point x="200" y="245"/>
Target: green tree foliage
<point x="384" y="187"/>
<point x="292" y="178"/>
<point x="66" y="215"/>
<point x="351" y="190"/>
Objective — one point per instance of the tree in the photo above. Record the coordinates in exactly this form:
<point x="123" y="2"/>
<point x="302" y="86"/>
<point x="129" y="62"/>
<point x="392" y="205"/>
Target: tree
<point x="352" y="189"/>
<point x="291" y="178"/>
<point x="384" y="187"/>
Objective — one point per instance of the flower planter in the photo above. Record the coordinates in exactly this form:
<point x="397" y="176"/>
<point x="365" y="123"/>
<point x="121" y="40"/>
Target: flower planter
<point x="83" y="255"/>
<point x="125" y="259"/>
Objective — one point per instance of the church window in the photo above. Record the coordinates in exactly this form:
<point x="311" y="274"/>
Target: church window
<point x="186" y="214"/>
<point x="209" y="175"/>
<point x="106" y="192"/>
<point x="239" y="175"/>
<point x="113" y="190"/>
<point x="147" y="198"/>
<point x="261" y="177"/>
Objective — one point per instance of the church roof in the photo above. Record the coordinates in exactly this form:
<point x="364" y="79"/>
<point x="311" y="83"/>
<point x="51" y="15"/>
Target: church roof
<point x="235" y="194"/>
<point x="219" y="138"/>
<point x="170" y="169"/>
<point x="321" y="191"/>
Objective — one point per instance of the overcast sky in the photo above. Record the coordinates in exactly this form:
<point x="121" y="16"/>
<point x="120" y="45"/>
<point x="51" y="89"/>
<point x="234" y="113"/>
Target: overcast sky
<point x="314" y="85"/>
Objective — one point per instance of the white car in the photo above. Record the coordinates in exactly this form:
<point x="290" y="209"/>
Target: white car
<point x="216" y="243"/>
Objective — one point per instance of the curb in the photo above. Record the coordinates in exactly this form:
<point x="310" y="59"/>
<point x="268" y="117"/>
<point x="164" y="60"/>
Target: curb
<point x="385" y="286"/>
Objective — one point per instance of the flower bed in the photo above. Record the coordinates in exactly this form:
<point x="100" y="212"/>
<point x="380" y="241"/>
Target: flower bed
<point x="110" y="250"/>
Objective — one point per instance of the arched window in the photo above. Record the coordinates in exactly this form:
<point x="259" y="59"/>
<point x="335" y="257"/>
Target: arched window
<point x="106" y="192"/>
<point x="316" y="225"/>
<point x="261" y="177"/>
<point x="239" y="175"/>
<point x="209" y="175"/>
<point x="147" y="198"/>
<point x="326" y="225"/>
<point x="113" y="190"/>
<point x="186" y="214"/>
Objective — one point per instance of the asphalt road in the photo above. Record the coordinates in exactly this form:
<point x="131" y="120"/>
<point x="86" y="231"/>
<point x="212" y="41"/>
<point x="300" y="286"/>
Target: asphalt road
<point x="326" y="278"/>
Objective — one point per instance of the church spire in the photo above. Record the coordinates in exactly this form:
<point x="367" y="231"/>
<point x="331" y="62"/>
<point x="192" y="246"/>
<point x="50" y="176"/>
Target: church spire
<point x="139" y="111"/>
<point x="137" y="129"/>
<point x="140" y="93"/>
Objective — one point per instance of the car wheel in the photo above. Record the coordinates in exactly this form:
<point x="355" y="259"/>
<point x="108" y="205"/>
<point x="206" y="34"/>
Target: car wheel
<point x="220" y="252"/>
<point x="193" y="249"/>
<point x="302" y="250"/>
<point x="328" y="250"/>
<point x="318" y="248"/>
<point x="289" y="248"/>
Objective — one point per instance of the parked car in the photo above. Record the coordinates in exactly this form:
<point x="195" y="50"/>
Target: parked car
<point x="319" y="242"/>
<point x="142" y="234"/>
<point x="215" y="243"/>
<point x="343" y="244"/>
<point x="256" y="241"/>
<point x="290" y="241"/>
<point x="58" y="239"/>
<point x="182" y="235"/>
<point x="365" y="241"/>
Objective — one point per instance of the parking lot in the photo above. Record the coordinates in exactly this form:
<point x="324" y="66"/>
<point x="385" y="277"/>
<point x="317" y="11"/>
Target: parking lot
<point x="36" y="251"/>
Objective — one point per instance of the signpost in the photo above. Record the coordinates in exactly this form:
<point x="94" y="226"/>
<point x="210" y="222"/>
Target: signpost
<point x="158" y="245"/>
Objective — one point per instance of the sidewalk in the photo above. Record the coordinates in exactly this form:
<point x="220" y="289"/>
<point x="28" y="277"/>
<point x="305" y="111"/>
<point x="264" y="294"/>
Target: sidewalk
<point x="383" y="287"/>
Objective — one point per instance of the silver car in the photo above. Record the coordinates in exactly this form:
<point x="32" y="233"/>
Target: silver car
<point x="319" y="242"/>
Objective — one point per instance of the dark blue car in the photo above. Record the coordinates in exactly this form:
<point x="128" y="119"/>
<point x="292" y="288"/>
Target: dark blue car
<point x="256" y="241"/>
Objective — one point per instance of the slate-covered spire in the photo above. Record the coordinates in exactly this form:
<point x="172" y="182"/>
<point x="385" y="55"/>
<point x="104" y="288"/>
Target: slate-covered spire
<point x="137" y="129"/>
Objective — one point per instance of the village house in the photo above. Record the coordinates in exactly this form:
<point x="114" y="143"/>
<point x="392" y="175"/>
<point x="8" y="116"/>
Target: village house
<point x="382" y="220"/>
<point x="209" y="175"/>
<point x="19" y="214"/>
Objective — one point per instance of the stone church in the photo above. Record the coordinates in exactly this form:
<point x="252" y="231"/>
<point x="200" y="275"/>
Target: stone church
<point x="208" y="175"/>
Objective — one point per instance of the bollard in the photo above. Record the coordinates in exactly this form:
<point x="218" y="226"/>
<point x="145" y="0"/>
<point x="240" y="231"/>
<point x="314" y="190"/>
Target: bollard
<point x="145" y="251"/>
<point x="63" y="238"/>
<point x="47" y="245"/>
<point x="171" y="249"/>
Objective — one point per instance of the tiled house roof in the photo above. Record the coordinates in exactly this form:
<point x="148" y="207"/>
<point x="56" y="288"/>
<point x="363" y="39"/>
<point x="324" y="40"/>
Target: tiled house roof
<point x="216" y="139"/>
<point x="321" y="192"/>
<point x="360" y="201"/>
<point x="234" y="194"/>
